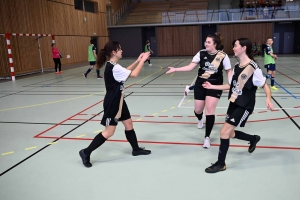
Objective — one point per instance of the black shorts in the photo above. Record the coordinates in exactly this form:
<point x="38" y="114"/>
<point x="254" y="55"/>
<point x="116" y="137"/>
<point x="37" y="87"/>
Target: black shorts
<point x="111" y="121"/>
<point x="200" y="93"/>
<point x="236" y="115"/>
<point x="92" y="63"/>
<point x="271" y="67"/>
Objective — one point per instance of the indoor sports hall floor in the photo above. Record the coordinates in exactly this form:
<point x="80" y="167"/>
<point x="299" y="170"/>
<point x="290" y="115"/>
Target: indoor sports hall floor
<point x="47" y="119"/>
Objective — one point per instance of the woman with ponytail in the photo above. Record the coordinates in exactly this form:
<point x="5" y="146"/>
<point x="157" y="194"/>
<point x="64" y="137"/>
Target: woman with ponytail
<point x="247" y="76"/>
<point x="212" y="61"/>
<point x="115" y="107"/>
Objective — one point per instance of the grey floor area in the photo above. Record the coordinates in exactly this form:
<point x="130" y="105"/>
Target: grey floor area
<point x="46" y="119"/>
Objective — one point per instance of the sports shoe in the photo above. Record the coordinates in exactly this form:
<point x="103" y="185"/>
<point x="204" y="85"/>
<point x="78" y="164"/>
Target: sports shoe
<point x="84" y="75"/>
<point x="200" y="123"/>
<point x="141" y="151"/>
<point x="215" y="168"/>
<point x="99" y="77"/>
<point x="60" y="72"/>
<point x="150" y="65"/>
<point x="253" y="144"/>
<point x="206" y="143"/>
<point x="274" y="88"/>
<point x="56" y="72"/>
<point x="85" y="159"/>
<point x="187" y="90"/>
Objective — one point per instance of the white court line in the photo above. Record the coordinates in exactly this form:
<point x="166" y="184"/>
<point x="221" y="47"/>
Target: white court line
<point x="254" y="108"/>
<point x="183" y="98"/>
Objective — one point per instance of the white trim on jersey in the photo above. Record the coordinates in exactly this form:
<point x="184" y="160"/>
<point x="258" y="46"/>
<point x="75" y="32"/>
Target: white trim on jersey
<point x="258" y="78"/>
<point x="243" y="118"/>
<point x="226" y="63"/>
<point x="120" y="73"/>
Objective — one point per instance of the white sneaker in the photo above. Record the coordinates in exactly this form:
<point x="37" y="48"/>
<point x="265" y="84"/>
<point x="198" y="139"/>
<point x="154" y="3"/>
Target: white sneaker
<point x="187" y="90"/>
<point x="206" y="143"/>
<point x="150" y="65"/>
<point x="200" y="123"/>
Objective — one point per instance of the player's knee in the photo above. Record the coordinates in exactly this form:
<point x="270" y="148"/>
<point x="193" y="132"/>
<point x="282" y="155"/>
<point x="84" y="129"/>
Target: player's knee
<point x="224" y="134"/>
<point x="107" y="134"/>
<point x="209" y="110"/>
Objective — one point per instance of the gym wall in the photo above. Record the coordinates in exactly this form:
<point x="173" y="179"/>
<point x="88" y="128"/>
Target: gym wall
<point x="58" y="17"/>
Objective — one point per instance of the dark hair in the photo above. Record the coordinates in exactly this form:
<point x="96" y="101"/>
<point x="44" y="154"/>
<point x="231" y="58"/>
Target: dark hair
<point x="106" y="52"/>
<point x="92" y="41"/>
<point x="218" y="40"/>
<point x="147" y="42"/>
<point x="52" y="44"/>
<point x="246" y="42"/>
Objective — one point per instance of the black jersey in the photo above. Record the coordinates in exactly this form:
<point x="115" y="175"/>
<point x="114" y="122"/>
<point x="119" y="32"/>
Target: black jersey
<point x="211" y="65"/>
<point x="244" y="82"/>
<point x="114" y="77"/>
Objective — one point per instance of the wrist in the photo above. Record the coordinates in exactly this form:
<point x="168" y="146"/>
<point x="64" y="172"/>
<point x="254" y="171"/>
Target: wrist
<point x="137" y="61"/>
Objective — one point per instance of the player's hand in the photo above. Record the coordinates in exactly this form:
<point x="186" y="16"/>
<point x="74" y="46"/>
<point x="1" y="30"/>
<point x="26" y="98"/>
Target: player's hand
<point x="140" y="57"/>
<point x="145" y="56"/>
<point x="276" y="57"/>
<point x="171" y="70"/>
<point x="207" y="85"/>
<point x="269" y="104"/>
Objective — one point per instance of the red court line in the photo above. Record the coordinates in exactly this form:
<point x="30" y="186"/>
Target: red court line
<point x="288" y="76"/>
<point x="163" y="116"/>
<point x="178" y="143"/>
<point x="165" y="122"/>
<point x="149" y="116"/>
<point x="66" y="119"/>
<point x="222" y="115"/>
<point x="297" y="107"/>
<point x="191" y="116"/>
<point x="82" y="114"/>
<point x="274" y="110"/>
<point x="177" y="116"/>
<point x="135" y="115"/>
<point x="70" y="118"/>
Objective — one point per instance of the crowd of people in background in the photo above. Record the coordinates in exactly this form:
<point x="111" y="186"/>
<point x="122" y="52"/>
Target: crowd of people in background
<point x="268" y="8"/>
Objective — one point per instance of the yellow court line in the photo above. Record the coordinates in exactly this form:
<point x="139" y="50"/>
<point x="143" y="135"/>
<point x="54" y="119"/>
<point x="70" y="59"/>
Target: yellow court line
<point x="164" y="110"/>
<point x="172" y="108"/>
<point x="189" y="100"/>
<point x="52" y="143"/>
<point x="97" y="131"/>
<point x="172" y="74"/>
<point x="11" y="152"/>
<point x="81" y="135"/>
<point x="31" y="148"/>
<point x="155" y="114"/>
<point x="52" y="102"/>
<point x="183" y="103"/>
<point x="138" y="119"/>
<point x="145" y="77"/>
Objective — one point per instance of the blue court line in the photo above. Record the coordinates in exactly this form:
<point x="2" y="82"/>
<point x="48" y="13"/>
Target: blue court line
<point x="284" y="89"/>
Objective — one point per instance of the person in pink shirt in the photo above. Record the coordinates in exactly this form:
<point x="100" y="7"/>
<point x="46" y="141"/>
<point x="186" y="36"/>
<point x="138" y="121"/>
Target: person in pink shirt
<point x="56" y="59"/>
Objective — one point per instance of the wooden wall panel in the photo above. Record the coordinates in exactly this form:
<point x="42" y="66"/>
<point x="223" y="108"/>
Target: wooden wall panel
<point x="4" y="64"/>
<point x="255" y="32"/>
<point x="178" y="41"/>
<point x="57" y="17"/>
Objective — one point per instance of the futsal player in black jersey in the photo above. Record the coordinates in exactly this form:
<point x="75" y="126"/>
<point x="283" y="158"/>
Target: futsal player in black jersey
<point x="212" y="61"/>
<point x="247" y="76"/>
<point x="115" y="107"/>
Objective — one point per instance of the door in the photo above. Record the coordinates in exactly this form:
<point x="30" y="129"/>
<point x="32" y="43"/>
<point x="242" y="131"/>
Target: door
<point x="288" y="45"/>
<point x="276" y="40"/>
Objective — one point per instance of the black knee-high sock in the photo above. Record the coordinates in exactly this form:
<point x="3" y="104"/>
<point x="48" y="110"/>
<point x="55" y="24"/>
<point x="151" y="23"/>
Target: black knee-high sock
<point x="210" y="121"/>
<point x="149" y="62"/>
<point x="244" y="136"/>
<point x="98" y="72"/>
<point x="88" y="71"/>
<point x="224" y="146"/>
<point x="97" y="142"/>
<point x="199" y="116"/>
<point x="131" y="137"/>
